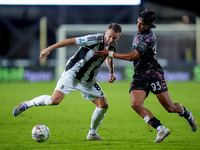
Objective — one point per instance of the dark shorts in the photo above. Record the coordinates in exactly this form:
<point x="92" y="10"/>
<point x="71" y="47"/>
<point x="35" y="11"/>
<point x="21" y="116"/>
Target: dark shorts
<point x="156" y="85"/>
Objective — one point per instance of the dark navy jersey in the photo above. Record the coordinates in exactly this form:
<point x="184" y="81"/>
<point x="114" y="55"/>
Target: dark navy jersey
<point x="146" y="65"/>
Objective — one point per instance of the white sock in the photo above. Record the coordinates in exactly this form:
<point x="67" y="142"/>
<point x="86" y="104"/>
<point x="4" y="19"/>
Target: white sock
<point x="97" y="118"/>
<point x="40" y="101"/>
<point x="183" y="110"/>
<point x="147" y="118"/>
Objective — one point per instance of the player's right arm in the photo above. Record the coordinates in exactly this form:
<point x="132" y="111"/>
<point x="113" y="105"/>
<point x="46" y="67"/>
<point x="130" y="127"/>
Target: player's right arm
<point x="124" y="56"/>
<point x="63" y="43"/>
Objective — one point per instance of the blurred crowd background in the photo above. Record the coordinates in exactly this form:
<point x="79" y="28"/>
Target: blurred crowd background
<point x="27" y="29"/>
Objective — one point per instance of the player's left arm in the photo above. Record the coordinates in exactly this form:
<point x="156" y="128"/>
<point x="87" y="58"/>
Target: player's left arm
<point x="110" y="65"/>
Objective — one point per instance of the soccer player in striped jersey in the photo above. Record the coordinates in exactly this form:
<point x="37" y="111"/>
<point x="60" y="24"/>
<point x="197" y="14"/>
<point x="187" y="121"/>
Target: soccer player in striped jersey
<point x="80" y="75"/>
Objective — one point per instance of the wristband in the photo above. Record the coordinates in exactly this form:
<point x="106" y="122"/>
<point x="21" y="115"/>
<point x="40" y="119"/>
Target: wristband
<point x="110" y="54"/>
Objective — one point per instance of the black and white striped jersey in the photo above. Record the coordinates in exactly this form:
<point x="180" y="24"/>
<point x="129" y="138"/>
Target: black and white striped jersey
<point x="83" y="65"/>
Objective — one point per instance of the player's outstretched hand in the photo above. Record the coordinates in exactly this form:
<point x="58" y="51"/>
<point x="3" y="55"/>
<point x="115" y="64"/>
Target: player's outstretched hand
<point x="44" y="53"/>
<point x="101" y="53"/>
<point x="112" y="78"/>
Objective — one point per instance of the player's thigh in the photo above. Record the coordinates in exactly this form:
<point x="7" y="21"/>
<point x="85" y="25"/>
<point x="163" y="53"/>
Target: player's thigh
<point x="65" y="85"/>
<point x="165" y="100"/>
<point x="100" y="102"/>
<point x="137" y="97"/>
<point x="90" y="91"/>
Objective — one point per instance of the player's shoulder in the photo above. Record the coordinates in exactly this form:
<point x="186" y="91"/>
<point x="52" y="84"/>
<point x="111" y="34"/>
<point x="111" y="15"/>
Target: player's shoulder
<point x="95" y="37"/>
<point x="90" y="39"/>
<point x="149" y="37"/>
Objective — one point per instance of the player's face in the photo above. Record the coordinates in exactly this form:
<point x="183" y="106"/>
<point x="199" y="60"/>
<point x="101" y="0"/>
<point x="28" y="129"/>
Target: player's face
<point x="142" y="27"/>
<point x="111" y="37"/>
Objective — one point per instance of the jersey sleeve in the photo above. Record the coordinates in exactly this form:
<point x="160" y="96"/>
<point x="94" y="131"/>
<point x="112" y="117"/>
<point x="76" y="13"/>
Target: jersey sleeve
<point x="89" y="40"/>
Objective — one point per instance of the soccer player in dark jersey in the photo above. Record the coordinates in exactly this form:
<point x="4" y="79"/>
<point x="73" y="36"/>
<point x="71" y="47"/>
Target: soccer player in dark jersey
<point x="149" y="76"/>
<point x="80" y="75"/>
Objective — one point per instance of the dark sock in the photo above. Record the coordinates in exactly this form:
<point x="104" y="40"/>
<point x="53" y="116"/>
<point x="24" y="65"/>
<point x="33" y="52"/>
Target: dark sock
<point x="186" y="114"/>
<point x="154" y="122"/>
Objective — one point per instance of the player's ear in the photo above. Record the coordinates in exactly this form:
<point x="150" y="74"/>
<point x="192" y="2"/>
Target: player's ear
<point x="119" y="35"/>
<point x="150" y="25"/>
<point x="106" y="31"/>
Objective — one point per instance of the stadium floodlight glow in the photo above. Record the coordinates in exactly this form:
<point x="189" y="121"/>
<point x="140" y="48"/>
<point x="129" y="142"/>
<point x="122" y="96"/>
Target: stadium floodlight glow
<point x="67" y="2"/>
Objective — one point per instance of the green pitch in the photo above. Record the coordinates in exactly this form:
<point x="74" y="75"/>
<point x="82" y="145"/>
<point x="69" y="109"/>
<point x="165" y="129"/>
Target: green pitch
<point x="69" y="122"/>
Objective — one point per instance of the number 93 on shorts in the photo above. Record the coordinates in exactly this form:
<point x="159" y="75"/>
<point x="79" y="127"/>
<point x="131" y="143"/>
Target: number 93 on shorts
<point x="154" y="85"/>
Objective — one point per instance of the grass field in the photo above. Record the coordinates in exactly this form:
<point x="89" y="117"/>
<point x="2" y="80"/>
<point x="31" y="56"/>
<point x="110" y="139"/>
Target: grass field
<point x="69" y="122"/>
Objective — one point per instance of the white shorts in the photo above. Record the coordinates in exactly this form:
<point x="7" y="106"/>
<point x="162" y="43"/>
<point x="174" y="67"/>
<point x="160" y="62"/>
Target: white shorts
<point x="66" y="84"/>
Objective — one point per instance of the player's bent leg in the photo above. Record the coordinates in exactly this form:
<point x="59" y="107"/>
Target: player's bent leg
<point x="38" y="101"/>
<point x="97" y="118"/>
<point x="171" y="107"/>
<point x="137" y="100"/>
<point x="42" y="100"/>
<point x="168" y="104"/>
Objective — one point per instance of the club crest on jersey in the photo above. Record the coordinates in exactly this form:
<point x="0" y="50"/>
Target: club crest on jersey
<point x="62" y="86"/>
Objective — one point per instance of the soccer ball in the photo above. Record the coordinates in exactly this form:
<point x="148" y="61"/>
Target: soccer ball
<point x="40" y="133"/>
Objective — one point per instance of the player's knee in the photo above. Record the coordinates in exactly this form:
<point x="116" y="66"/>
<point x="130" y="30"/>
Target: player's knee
<point x="106" y="106"/>
<point x="57" y="97"/>
<point x="101" y="103"/>
<point x="56" y="100"/>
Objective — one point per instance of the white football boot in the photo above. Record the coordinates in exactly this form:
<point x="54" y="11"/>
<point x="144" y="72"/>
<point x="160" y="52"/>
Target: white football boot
<point x="20" y="108"/>
<point x="162" y="134"/>
<point x="94" y="137"/>
<point x="192" y="122"/>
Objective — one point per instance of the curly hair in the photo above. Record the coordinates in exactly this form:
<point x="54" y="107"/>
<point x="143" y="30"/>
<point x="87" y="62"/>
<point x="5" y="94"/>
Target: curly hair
<point x="148" y="16"/>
